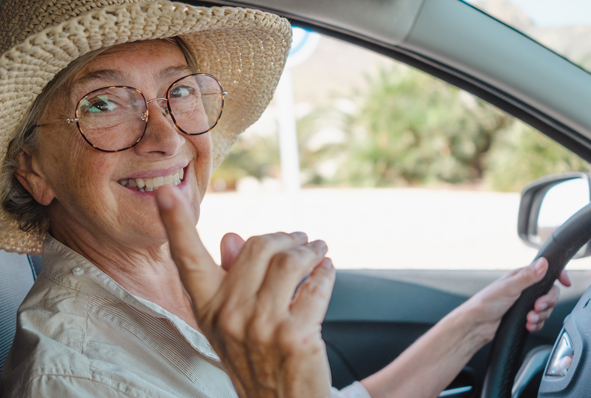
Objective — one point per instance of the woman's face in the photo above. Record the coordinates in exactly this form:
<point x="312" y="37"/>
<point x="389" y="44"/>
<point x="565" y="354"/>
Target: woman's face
<point x="85" y="185"/>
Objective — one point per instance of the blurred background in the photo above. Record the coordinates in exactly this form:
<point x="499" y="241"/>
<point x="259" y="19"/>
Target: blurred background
<point x="393" y="168"/>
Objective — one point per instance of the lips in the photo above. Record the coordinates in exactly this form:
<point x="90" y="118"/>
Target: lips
<point x="146" y="184"/>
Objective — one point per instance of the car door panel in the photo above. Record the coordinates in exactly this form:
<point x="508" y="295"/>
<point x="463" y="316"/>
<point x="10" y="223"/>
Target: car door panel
<point x="374" y="315"/>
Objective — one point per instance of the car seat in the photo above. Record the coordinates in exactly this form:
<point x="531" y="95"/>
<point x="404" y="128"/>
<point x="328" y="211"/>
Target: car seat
<point x="17" y="274"/>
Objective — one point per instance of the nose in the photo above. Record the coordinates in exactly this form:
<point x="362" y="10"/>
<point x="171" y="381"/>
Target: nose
<point x="163" y="109"/>
<point x="162" y="138"/>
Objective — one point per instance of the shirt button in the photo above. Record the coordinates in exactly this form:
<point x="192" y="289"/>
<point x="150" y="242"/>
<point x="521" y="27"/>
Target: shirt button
<point x="78" y="271"/>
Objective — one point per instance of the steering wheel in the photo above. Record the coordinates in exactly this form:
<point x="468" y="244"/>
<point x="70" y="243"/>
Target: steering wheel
<point x="509" y="341"/>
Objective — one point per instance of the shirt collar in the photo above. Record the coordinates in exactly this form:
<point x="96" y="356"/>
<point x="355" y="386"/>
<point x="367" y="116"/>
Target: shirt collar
<point x="68" y="268"/>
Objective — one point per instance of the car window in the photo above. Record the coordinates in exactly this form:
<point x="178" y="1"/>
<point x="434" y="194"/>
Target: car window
<point x="563" y="27"/>
<point x="397" y="169"/>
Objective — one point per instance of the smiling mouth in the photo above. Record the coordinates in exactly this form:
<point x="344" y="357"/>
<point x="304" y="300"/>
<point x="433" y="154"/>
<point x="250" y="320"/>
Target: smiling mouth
<point x="152" y="184"/>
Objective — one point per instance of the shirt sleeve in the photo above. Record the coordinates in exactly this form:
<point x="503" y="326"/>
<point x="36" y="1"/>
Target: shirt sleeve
<point x="355" y="390"/>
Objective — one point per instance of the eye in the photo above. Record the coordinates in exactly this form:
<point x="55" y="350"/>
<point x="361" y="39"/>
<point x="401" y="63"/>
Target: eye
<point x="98" y="104"/>
<point x="182" y="92"/>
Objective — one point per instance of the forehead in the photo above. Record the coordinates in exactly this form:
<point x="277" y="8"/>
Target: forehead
<point x="145" y="58"/>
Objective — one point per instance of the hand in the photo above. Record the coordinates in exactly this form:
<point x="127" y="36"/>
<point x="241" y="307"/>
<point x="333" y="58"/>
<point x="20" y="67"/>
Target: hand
<point x="269" y="341"/>
<point x="489" y="305"/>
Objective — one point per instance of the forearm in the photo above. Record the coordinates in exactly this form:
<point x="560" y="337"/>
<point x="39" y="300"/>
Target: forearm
<point x="433" y="361"/>
<point x="430" y="364"/>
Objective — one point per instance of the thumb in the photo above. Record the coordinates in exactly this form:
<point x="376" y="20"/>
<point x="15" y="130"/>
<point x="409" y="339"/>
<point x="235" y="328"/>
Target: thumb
<point x="230" y="246"/>
<point x="199" y="273"/>
<point x="528" y="276"/>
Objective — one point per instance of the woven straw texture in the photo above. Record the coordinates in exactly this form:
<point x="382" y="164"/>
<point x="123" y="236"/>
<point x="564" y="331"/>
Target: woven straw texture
<point x="245" y="49"/>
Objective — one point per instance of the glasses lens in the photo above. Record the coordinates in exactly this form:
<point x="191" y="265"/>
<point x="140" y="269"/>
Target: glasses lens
<point x="196" y="103"/>
<point x="112" y="118"/>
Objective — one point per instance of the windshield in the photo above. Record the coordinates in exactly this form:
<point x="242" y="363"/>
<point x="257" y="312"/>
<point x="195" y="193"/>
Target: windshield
<point x="563" y="26"/>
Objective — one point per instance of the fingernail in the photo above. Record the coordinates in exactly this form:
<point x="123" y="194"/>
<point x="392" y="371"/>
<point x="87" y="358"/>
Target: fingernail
<point x="164" y="199"/>
<point x="539" y="264"/>
<point x="535" y="318"/>
<point x="543" y="306"/>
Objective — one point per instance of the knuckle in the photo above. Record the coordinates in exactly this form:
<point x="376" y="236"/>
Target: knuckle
<point x="529" y="273"/>
<point x="296" y="341"/>
<point x="279" y="236"/>
<point x="257" y="245"/>
<point x="551" y="303"/>
<point x="259" y="331"/>
<point x="315" y="289"/>
<point x="259" y="242"/>
<point x="288" y="340"/>
<point x="288" y="261"/>
<point x="325" y="276"/>
<point x="229" y="324"/>
<point x="284" y="235"/>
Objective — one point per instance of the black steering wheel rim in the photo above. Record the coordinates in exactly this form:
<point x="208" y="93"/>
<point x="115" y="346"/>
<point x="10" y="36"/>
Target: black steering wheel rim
<point x="509" y="342"/>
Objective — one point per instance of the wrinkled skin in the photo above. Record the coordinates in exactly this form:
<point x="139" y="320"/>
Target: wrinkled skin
<point x="270" y="343"/>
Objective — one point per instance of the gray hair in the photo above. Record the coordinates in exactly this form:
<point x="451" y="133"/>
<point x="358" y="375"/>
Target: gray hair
<point x="15" y="200"/>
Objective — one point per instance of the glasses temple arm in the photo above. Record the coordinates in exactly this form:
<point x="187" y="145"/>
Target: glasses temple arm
<point x="68" y="121"/>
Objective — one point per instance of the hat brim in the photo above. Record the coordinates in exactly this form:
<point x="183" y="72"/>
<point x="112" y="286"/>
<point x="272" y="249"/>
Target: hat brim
<point x="245" y="49"/>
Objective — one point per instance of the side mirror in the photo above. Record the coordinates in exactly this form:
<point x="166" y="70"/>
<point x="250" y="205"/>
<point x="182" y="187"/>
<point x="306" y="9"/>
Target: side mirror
<point x="548" y="202"/>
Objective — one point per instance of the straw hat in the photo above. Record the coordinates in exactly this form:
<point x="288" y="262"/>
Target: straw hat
<point x="245" y="49"/>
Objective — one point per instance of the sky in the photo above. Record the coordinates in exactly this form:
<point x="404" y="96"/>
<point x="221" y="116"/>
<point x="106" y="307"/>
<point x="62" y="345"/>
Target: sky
<point x="556" y="12"/>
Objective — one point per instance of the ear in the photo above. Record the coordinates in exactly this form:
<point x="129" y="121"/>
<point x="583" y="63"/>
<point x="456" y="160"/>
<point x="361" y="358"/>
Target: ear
<point x="30" y="177"/>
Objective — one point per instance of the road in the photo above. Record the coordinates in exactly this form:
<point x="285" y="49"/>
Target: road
<point x="382" y="228"/>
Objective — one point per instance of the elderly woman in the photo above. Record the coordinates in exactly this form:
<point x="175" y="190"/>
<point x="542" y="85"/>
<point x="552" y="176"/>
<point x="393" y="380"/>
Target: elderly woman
<point x="111" y="122"/>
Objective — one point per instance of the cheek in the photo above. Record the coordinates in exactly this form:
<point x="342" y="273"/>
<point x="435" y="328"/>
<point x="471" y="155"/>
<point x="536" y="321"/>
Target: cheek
<point x="76" y="171"/>
<point x="203" y="160"/>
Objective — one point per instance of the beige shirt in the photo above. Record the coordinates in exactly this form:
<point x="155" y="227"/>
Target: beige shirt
<point x="80" y="334"/>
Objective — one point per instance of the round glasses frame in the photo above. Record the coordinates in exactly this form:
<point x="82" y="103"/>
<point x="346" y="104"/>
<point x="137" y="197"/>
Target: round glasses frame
<point x="146" y="114"/>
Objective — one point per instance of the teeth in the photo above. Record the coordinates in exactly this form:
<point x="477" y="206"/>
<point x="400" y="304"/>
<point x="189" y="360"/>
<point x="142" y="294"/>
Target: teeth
<point x="158" y="182"/>
<point x="150" y="184"/>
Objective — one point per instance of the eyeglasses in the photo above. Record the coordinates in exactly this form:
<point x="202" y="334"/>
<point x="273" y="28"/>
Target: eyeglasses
<point x="113" y="119"/>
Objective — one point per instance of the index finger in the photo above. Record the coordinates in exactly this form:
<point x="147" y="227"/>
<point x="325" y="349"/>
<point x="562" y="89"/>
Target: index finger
<point x="199" y="273"/>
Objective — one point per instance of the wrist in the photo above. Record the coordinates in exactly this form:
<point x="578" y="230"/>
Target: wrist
<point x="474" y="331"/>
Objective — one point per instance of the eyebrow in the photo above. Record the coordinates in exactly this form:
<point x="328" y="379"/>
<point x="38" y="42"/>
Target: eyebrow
<point x="174" y="71"/>
<point x="102" y="74"/>
<point x="117" y="76"/>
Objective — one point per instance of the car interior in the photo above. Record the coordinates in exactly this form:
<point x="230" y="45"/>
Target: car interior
<point x="375" y="314"/>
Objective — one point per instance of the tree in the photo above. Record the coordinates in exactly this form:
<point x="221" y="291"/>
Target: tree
<point x="412" y="129"/>
<point x="521" y="154"/>
<point x="406" y="128"/>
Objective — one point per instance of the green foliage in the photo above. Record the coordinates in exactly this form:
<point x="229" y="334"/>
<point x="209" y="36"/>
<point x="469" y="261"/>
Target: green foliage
<point x="407" y="128"/>
<point x="418" y="130"/>
<point x="521" y="154"/>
